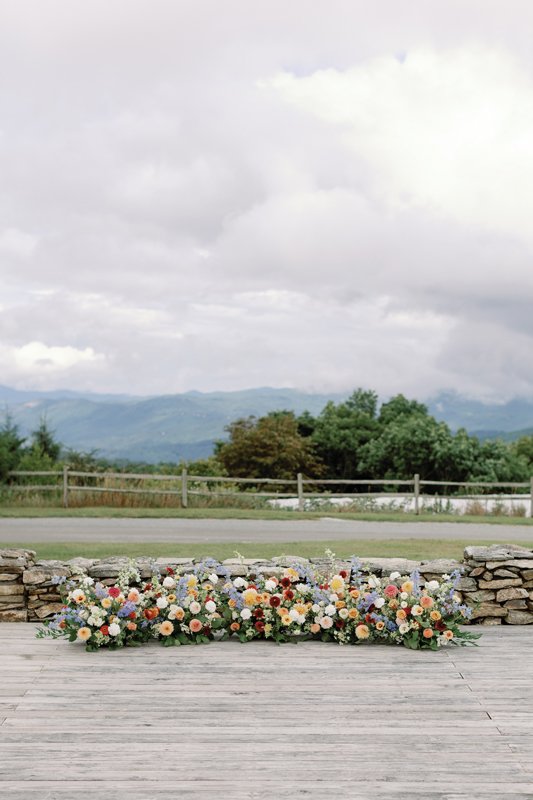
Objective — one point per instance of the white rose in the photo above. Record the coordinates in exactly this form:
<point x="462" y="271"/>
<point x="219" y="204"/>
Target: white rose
<point x="210" y="606"/>
<point x="394" y="576"/>
<point x="300" y="620"/>
<point x="240" y="583"/>
<point x="162" y="602"/>
<point x="374" y="582"/>
<point x="195" y="607"/>
<point x="333" y="598"/>
<point x="169" y="582"/>
<point x="270" y="586"/>
<point x="315" y="608"/>
<point x="404" y="627"/>
<point x="404" y="595"/>
<point x="213" y="578"/>
<point x="246" y="613"/>
<point x="380" y="602"/>
<point x="403" y="604"/>
<point x="330" y="610"/>
<point x="187" y="601"/>
<point x="293" y="614"/>
<point x="326" y="622"/>
<point x="343" y="613"/>
<point x="114" y="629"/>
<point x="432" y="586"/>
<point x="303" y="588"/>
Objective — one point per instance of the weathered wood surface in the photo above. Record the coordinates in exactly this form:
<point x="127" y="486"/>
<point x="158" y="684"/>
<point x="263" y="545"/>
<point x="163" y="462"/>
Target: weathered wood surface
<point x="260" y="721"/>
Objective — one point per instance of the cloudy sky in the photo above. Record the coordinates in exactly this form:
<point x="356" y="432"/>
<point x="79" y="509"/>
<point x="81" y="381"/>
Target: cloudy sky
<point x="222" y="194"/>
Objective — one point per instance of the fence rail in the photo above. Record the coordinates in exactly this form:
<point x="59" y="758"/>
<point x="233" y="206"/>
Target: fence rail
<point x="185" y="485"/>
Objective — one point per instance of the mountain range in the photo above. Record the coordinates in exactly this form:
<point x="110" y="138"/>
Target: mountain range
<point x="184" y="426"/>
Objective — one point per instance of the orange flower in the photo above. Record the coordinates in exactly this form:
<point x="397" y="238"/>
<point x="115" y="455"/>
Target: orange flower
<point x="448" y="635"/>
<point x="84" y="634"/>
<point x="131" y="626"/>
<point x="315" y="627"/>
<point x="380" y="625"/>
<point x="400" y="614"/>
<point x="435" y="615"/>
<point x="166" y="628"/>
<point x="362" y="632"/>
<point x="235" y="626"/>
<point x="195" y="625"/>
<point x="353" y="613"/>
<point x="428" y="633"/>
<point x="340" y="604"/>
<point x="355" y="593"/>
<point x="426" y="601"/>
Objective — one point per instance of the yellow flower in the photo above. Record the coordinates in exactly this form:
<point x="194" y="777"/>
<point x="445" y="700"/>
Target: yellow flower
<point x="336" y="583"/>
<point x="435" y="615"/>
<point x="362" y="632"/>
<point x="291" y="573"/>
<point x="250" y="597"/>
<point x="286" y="620"/>
<point x="355" y="593"/>
<point x="84" y="634"/>
<point x="192" y="581"/>
<point x="353" y="613"/>
<point x="107" y="602"/>
<point x="407" y="587"/>
<point x="301" y="609"/>
<point x="232" y="603"/>
<point x="171" y="598"/>
<point x="268" y="628"/>
<point x="340" y="604"/>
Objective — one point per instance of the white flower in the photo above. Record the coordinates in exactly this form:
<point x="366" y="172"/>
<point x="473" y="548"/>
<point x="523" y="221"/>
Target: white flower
<point x="330" y="610"/>
<point x="315" y="608"/>
<point x="303" y="588"/>
<point x="343" y="613"/>
<point x="293" y="614"/>
<point x="114" y="629"/>
<point x="187" y="600"/>
<point x="169" y="582"/>
<point x="374" y="582"/>
<point x="394" y="576"/>
<point x="326" y="622"/>
<point x="445" y="577"/>
<point x="88" y="581"/>
<point x="403" y="604"/>
<point x="210" y="606"/>
<point x="246" y="613"/>
<point x="270" y="585"/>
<point x="404" y="595"/>
<point x="162" y="602"/>
<point x="172" y="611"/>
<point x="240" y="583"/>
<point x="432" y="586"/>
<point x="213" y="578"/>
<point x="195" y="607"/>
<point x="380" y="602"/>
<point x="333" y="597"/>
<point x="404" y="627"/>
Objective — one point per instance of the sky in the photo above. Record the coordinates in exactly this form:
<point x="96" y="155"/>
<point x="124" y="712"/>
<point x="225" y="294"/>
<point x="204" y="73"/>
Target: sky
<point x="224" y="194"/>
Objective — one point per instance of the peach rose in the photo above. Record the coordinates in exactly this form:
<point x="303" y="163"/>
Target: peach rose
<point x="426" y="601"/>
<point x="195" y="625"/>
<point x="315" y="627"/>
<point x="362" y="632"/>
<point x="428" y="633"/>
<point x="84" y="634"/>
<point x="166" y="628"/>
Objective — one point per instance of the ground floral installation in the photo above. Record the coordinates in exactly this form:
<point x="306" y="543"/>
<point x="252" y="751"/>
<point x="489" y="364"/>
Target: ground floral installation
<point x="206" y="605"/>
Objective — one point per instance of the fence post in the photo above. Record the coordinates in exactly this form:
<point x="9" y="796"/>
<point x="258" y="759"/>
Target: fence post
<point x="417" y="493"/>
<point x="65" y="486"/>
<point x="300" y="478"/>
<point x="184" y="498"/>
<point x="531" y="496"/>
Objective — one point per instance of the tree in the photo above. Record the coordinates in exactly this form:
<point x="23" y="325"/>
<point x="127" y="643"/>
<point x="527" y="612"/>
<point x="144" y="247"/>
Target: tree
<point x="342" y="430"/>
<point x="11" y="446"/>
<point x="523" y="449"/>
<point x="43" y="441"/>
<point x="268" y="447"/>
<point x="399" y="406"/>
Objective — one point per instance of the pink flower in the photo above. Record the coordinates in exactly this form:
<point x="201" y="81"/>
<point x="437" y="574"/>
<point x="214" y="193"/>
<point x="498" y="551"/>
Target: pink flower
<point x="390" y="591"/>
<point x="195" y="625"/>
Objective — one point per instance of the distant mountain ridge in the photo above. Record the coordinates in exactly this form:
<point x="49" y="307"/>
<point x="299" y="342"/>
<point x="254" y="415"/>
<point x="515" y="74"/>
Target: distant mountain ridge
<point x="185" y="426"/>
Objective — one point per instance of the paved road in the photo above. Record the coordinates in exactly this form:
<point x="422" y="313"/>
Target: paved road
<point x="61" y="529"/>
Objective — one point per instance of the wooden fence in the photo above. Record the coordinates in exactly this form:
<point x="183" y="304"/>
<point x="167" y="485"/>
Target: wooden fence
<point x="185" y="486"/>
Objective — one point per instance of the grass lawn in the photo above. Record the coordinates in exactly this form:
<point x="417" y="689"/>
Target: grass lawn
<point x="239" y="513"/>
<point x="417" y="549"/>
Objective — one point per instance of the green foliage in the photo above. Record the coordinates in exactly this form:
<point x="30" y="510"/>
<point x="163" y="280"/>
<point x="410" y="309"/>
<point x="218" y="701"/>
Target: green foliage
<point x="523" y="449"/>
<point x="341" y="432"/>
<point x="11" y="446"/>
<point x="43" y="442"/>
<point x="268" y="447"/>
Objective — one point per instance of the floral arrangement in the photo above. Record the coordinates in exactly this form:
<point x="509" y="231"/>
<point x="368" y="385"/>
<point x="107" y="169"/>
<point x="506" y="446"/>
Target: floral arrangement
<point x="207" y="604"/>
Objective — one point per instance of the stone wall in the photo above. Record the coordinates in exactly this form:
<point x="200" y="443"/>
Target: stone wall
<point x="496" y="581"/>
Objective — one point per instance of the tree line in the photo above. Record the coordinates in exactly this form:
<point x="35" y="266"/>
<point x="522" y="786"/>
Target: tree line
<point x="354" y="439"/>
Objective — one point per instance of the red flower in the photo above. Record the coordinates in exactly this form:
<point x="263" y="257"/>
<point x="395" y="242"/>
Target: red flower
<point x="343" y="573"/>
<point x="285" y="582"/>
<point x="408" y="609"/>
<point x="105" y="630"/>
<point x="151" y="613"/>
<point x="114" y="591"/>
<point x="371" y="607"/>
<point x="259" y="626"/>
<point x="147" y="586"/>
<point x="288" y="594"/>
<point x="439" y="625"/>
<point x="339" y="623"/>
<point x="170" y="571"/>
<point x="258" y="612"/>
<point x="132" y="615"/>
<point x="369" y="618"/>
<point x="206" y="630"/>
<point x="275" y="601"/>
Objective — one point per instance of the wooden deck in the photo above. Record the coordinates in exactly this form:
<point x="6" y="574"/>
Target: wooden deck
<point x="256" y="721"/>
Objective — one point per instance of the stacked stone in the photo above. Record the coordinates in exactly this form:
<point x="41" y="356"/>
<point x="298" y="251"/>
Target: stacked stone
<point x="13" y="602"/>
<point x="501" y="584"/>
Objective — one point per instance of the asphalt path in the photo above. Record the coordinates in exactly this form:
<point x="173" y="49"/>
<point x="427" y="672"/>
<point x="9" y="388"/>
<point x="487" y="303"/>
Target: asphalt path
<point x="77" y="529"/>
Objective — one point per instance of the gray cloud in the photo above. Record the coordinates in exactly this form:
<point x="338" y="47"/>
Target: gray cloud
<point x="198" y="197"/>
